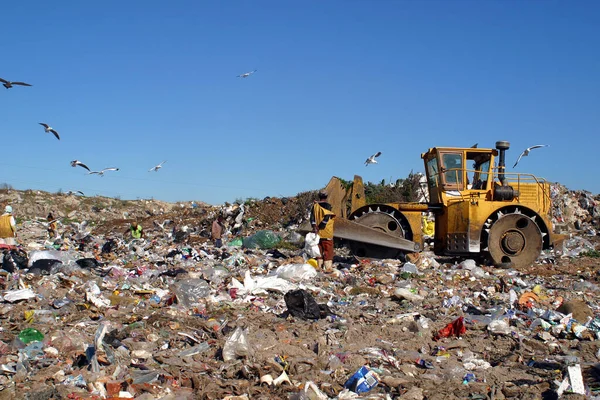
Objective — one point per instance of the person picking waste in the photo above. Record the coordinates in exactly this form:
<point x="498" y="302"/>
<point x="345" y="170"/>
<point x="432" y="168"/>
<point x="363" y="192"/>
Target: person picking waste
<point x="321" y="220"/>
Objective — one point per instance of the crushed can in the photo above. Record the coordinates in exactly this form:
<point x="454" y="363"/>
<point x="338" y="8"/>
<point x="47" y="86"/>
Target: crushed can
<point x="362" y="381"/>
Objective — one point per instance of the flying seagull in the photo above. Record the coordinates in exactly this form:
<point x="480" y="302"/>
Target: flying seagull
<point x="156" y="168"/>
<point x="164" y="223"/>
<point x="48" y="128"/>
<point x="70" y="192"/>
<point x="527" y="150"/>
<point x="371" y="160"/>
<point x="75" y="163"/>
<point x="8" y="84"/>
<point x="101" y="173"/>
<point x="247" y="74"/>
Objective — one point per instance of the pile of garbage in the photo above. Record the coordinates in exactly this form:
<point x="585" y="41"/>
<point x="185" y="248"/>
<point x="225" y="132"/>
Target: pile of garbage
<point x="575" y="210"/>
<point x="95" y="314"/>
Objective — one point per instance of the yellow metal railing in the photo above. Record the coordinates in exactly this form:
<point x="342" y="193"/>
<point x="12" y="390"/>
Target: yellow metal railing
<point x="513" y="179"/>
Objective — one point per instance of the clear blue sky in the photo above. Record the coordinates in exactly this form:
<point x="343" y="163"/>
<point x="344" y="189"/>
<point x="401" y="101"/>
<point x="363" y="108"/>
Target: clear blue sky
<point x="129" y="84"/>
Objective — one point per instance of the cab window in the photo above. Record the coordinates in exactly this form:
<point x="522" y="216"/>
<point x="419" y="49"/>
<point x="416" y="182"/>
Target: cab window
<point x="432" y="172"/>
<point x="477" y="175"/>
<point x="452" y="170"/>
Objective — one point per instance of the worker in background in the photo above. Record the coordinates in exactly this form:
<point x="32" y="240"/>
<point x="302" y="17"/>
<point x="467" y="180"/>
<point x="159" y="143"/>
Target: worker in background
<point x="8" y="227"/>
<point x="51" y="226"/>
<point x="321" y="220"/>
<point x="428" y="226"/>
<point x="136" y="230"/>
<point x="217" y="230"/>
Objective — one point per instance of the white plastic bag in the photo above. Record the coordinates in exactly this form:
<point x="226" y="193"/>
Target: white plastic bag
<point x="261" y="285"/>
<point x="236" y="345"/>
<point x="296" y="272"/>
<point x="311" y="245"/>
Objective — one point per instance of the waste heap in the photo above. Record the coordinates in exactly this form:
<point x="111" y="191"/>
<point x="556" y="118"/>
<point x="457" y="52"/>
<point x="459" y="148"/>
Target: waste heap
<point x="94" y="314"/>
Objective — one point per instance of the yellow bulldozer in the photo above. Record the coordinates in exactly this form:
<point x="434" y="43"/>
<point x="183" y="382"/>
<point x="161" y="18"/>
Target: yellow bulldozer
<point x="479" y="208"/>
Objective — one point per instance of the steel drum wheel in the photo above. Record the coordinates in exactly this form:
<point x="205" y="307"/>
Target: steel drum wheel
<point x="514" y="240"/>
<point x="385" y="219"/>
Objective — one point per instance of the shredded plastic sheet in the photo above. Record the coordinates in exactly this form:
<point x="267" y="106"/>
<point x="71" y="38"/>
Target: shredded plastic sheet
<point x="261" y="285"/>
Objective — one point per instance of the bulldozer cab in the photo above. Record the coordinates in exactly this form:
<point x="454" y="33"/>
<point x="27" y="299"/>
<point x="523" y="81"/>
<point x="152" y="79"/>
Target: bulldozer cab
<point x="451" y="171"/>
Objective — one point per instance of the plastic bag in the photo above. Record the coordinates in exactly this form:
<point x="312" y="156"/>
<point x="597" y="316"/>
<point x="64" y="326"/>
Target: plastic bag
<point x="45" y="267"/>
<point x="237" y="242"/>
<point x="66" y="257"/>
<point x="109" y="246"/>
<point x="500" y="327"/>
<point x="296" y="272"/>
<point x="295" y="237"/>
<point x="215" y="274"/>
<point x="87" y="263"/>
<point x="301" y="304"/>
<point x="454" y="328"/>
<point x="262" y="240"/>
<point x="190" y="291"/>
<point x="311" y="245"/>
<point x="14" y="260"/>
<point x="236" y="345"/>
<point x="410" y="268"/>
<point x="261" y="285"/>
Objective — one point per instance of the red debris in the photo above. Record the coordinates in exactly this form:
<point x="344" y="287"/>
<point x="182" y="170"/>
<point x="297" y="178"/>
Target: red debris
<point x="454" y="328"/>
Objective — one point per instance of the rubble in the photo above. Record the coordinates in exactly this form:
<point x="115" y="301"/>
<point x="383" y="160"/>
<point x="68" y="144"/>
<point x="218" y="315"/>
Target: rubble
<point x="92" y="314"/>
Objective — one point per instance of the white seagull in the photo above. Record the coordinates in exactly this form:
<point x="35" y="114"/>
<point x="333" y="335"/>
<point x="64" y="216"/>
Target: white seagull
<point x="156" y="168"/>
<point x="75" y="163"/>
<point x="70" y="192"/>
<point x="164" y="223"/>
<point x="527" y="150"/>
<point x="247" y="74"/>
<point x="371" y="160"/>
<point x="9" y="84"/>
<point x="101" y="173"/>
<point x="48" y="128"/>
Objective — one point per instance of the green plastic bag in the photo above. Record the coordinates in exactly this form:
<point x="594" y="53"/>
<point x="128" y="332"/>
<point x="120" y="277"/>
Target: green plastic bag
<point x="29" y="335"/>
<point x="237" y="242"/>
<point x="262" y="240"/>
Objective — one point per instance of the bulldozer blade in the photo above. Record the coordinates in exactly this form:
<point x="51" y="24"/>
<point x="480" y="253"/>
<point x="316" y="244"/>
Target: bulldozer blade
<point x="349" y="230"/>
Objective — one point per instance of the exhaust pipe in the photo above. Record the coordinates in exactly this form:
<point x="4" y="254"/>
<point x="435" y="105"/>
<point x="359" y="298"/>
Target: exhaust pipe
<point x="502" y="146"/>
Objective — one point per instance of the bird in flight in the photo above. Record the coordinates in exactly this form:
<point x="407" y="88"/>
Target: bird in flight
<point x="9" y="84"/>
<point x="48" y="128"/>
<point x="164" y="223"/>
<point x="75" y="163"/>
<point x="70" y="192"/>
<point x="247" y="74"/>
<point x="157" y="167"/>
<point x="527" y="150"/>
<point x="101" y="173"/>
<point x="372" y="160"/>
